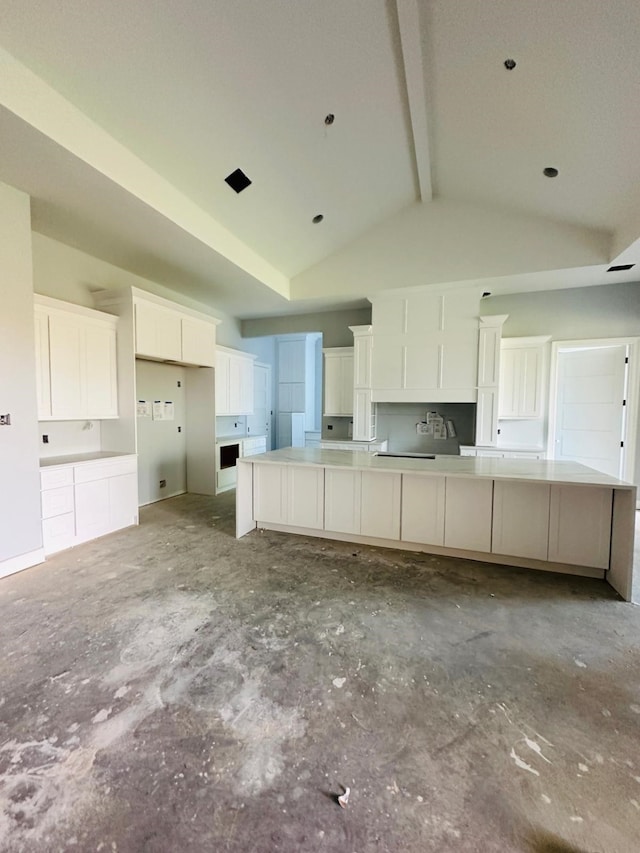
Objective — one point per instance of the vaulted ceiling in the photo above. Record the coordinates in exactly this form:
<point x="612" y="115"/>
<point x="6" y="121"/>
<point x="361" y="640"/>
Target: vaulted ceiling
<point x="123" y="119"/>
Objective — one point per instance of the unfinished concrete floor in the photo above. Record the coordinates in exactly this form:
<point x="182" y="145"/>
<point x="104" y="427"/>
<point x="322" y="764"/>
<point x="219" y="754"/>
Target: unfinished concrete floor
<point x="168" y="688"/>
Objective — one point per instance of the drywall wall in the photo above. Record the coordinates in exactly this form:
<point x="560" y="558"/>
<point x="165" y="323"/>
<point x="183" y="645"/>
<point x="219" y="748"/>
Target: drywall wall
<point x="20" y="524"/>
<point x="66" y="273"/>
<point x="608" y="311"/>
<point x="334" y="325"/>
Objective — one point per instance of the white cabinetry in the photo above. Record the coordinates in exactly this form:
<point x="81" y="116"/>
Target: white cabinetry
<point x="425" y="346"/>
<point x="234" y="382"/>
<point x="423" y="509"/>
<point x="76" y="372"/>
<point x="289" y="495"/>
<point x="86" y="500"/>
<point x="521" y="519"/>
<point x="166" y="332"/>
<point x="490" y="334"/>
<point x="523" y="366"/>
<point x="580" y="525"/>
<point x="364" y="409"/>
<point x="363" y="502"/>
<point x="338" y="381"/>
<point x="468" y="514"/>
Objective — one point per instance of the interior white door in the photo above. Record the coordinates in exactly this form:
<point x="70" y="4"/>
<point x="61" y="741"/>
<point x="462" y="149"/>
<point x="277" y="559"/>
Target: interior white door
<point x="589" y="407"/>
<point x="259" y="423"/>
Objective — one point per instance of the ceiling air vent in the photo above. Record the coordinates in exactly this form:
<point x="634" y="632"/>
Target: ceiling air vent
<point x="237" y="180"/>
<point x="621" y="267"/>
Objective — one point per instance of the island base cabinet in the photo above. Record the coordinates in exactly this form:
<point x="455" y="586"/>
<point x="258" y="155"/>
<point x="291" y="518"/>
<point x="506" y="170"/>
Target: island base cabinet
<point x="468" y="514"/>
<point x="292" y="495"/>
<point x="580" y="525"/>
<point x="423" y="509"/>
<point x="363" y="502"/>
<point x="521" y="519"/>
<point x="380" y="505"/>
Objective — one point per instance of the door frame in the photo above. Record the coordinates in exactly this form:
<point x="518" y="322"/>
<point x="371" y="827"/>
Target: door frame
<point x="630" y="433"/>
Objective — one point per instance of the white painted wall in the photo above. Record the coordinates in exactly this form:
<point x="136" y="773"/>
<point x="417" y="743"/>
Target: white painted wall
<point x="334" y="325"/>
<point x="20" y="526"/>
<point x="66" y="273"/>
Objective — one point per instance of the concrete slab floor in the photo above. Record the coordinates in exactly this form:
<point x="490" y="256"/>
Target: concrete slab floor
<point x="168" y="688"/>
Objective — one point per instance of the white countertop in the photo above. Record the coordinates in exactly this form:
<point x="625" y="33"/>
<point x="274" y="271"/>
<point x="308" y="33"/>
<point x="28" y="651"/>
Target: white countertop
<point x="77" y="458"/>
<point x="530" y="470"/>
<point x="354" y="440"/>
<point x="229" y="439"/>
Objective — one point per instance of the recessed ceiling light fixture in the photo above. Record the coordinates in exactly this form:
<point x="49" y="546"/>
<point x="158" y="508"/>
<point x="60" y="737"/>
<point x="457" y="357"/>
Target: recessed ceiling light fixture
<point x="238" y="181"/>
<point x="509" y="64"/>
<point x="329" y="118"/>
<point x="550" y="172"/>
<point x="621" y="267"/>
<point x="317" y="218"/>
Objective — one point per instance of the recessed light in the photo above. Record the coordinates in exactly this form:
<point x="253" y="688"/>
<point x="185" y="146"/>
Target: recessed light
<point x="621" y="267"/>
<point x="329" y="118"/>
<point x="238" y="181"/>
<point x="317" y="218"/>
<point x="509" y="64"/>
<point x="550" y="172"/>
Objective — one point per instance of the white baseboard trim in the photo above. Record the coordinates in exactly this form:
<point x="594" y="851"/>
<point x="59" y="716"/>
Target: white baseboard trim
<point x="22" y="561"/>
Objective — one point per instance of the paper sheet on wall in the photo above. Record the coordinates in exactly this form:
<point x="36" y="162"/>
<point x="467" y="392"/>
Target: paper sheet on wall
<point x="168" y="410"/>
<point x="158" y="410"/>
<point x="143" y="409"/>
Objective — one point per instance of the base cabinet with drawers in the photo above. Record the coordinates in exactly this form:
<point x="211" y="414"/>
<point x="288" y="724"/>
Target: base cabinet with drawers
<point x="84" y="500"/>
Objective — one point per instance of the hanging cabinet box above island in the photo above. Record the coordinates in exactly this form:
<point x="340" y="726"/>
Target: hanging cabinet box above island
<point x="425" y="346"/>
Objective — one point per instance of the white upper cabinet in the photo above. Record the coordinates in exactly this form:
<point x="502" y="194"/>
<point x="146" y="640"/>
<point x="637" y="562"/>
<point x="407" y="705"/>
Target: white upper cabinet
<point x="523" y="364"/>
<point x="338" y="381"/>
<point x="234" y="382"/>
<point x="76" y="362"/>
<point x="425" y="346"/>
<point x="166" y="332"/>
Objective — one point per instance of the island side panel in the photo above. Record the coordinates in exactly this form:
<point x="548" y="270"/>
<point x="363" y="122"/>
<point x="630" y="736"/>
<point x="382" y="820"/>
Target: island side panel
<point x="244" y="498"/>
<point x="621" y="569"/>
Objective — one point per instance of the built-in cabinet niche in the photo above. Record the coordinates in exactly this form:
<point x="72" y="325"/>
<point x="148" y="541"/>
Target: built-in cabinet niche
<point x="298" y="402"/>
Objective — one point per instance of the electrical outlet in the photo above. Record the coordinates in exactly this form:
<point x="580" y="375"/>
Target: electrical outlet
<point x="5" y="420"/>
<point x="163" y="484"/>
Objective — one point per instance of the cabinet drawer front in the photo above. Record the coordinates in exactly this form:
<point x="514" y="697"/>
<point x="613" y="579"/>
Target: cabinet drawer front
<point x="58" y="532"/>
<point x="101" y="470"/>
<point x="51" y="478"/>
<point x="57" y="501"/>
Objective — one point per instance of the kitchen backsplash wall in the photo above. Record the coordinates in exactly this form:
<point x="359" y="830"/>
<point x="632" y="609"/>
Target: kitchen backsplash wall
<point x="69" y="437"/>
<point x="231" y="425"/>
<point x="336" y="428"/>
<point x="397" y="422"/>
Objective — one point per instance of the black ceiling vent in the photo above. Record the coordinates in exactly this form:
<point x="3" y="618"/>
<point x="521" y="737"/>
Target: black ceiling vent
<point x="238" y="181"/>
<point x="621" y="268"/>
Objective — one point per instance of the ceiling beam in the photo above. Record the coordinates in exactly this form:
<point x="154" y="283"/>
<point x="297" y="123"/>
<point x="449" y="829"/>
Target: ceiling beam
<point x="409" y="21"/>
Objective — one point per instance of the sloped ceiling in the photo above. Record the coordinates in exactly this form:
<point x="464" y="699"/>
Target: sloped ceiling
<point x="122" y="120"/>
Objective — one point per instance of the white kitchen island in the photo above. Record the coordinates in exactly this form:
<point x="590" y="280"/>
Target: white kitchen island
<point x="555" y="516"/>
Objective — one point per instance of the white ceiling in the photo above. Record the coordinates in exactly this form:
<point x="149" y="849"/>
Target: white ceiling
<point x="421" y="98"/>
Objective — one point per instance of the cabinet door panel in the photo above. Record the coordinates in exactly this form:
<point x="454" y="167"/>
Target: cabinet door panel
<point x="580" y="525"/>
<point x="332" y="386"/>
<point x="158" y="331"/>
<point x="364" y="421"/>
<point x="342" y="492"/>
<point x="102" y="384"/>
<point x="487" y="416"/>
<point x="489" y="356"/>
<point x="123" y="501"/>
<point x="380" y="505"/>
<point x="66" y="350"/>
<point x="222" y="383"/>
<point x="306" y="497"/>
<point x="468" y="514"/>
<point x="43" y="379"/>
<point x="521" y="519"/>
<point x="423" y="509"/>
<point x="362" y="361"/>
<point x="92" y="509"/>
<point x="270" y="493"/>
<point x="198" y="342"/>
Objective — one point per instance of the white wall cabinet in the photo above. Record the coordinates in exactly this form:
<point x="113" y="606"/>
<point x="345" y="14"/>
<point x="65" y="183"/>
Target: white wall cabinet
<point x="165" y="332"/>
<point x="425" y="346"/>
<point x="85" y="500"/>
<point x="523" y="366"/>
<point x="289" y="495"/>
<point x="76" y="370"/>
<point x="234" y="382"/>
<point x="338" y="381"/>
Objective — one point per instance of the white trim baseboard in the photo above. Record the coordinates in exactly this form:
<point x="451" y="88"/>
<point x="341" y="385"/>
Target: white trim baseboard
<point x="22" y="561"/>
